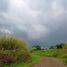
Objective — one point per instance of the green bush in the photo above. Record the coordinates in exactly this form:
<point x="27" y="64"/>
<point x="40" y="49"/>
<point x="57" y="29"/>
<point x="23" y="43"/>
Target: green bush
<point x="13" y="49"/>
<point x="36" y="47"/>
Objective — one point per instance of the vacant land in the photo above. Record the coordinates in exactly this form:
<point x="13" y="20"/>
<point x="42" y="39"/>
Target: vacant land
<point x="48" y="62"/>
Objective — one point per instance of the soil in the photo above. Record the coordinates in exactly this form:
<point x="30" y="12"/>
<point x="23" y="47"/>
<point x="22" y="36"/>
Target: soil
<point x="48" y="62"/>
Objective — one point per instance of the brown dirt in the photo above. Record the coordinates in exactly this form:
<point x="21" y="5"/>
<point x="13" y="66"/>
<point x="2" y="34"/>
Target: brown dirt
<point x="48" y="62"/>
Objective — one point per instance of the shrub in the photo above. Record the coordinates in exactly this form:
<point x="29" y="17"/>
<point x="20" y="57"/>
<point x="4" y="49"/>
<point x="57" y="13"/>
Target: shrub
<point x="51" y="47"/>
<point x="13" y="49"/>
<point x="37" y="47"/>
<point x="60" y="46"/>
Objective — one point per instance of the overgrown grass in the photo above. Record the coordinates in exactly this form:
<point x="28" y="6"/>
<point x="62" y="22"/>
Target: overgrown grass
<point x="34" y="59"/>
<point x="14" y="53"/>
<point x="13" y="49"/>
<point x="46" y="52"/>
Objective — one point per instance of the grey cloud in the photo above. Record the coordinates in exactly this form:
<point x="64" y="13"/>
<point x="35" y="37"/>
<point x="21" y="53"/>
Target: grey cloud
<point x="40" y="20"/>
<point x="41" y="5"/>
<point x="64" y="4"/>
<point x="4" y="5"/>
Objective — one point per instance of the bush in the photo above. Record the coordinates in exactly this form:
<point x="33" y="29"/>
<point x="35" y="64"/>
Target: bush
<point x="36" y="47"/>
<point x="13" y="49"/>
<point x="51" y="47"/>
<point x="60" y="46"/>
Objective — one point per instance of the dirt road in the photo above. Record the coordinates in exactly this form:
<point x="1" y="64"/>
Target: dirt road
<point x="49" y="62"/>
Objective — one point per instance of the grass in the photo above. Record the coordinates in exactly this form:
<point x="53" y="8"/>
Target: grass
<point x="46" y="52"/>
<point x="34" y="59"/>
<point x="13" y="48"/>
<point x="35" y="55"/>
<point x="57" y="53"/>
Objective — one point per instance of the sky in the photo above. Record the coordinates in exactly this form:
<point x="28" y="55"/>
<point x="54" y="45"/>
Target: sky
<point x="41" y="22"/>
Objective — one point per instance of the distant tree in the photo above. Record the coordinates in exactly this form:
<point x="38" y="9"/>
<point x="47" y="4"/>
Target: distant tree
<point x="52" y="47"/>
<point x="36" y="47"/>
<point x="60" y="46"/>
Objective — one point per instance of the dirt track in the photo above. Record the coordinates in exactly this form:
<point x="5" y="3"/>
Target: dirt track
<point x="49" y="62"/>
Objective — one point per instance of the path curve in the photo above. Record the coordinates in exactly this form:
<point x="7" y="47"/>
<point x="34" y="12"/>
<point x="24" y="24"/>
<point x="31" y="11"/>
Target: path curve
<point x="48" y="62"/>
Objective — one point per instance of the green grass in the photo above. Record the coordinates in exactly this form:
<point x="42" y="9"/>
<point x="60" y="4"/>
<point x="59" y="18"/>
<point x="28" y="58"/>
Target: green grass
<point x="35" y="55"/>
<point x="46" y="52"/>
<point x="34" y="59"/>
<point x="57" y="53"/>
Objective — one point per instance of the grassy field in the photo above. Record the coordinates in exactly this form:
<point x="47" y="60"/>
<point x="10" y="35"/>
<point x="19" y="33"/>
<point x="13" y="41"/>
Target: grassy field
<point x="57" y="53"/>
<point x="35" y="56"/>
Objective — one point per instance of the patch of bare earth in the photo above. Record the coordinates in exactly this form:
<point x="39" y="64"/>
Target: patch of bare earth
<point x="48" y="62"/>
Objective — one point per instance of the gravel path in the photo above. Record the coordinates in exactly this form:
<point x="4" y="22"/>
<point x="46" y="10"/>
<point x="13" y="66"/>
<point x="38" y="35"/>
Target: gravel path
<point x="48" y="62"/>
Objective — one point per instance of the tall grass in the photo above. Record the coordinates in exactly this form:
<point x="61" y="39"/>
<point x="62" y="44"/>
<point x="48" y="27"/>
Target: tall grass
<point x="13" y="49"/>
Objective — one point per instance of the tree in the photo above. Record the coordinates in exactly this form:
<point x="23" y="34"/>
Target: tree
<point x="52" y="47"/>
<point x="36" y="47"/>
<point x="60" y="46"/>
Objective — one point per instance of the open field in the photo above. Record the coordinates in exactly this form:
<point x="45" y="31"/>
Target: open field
<point x="59" y="54"/>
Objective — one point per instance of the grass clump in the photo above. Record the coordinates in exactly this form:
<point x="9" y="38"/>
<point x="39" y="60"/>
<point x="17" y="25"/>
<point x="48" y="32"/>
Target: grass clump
<point x="12" y="50"/>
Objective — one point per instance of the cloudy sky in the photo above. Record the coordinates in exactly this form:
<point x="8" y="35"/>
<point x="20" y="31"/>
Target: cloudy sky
<point x="39" y="21"/>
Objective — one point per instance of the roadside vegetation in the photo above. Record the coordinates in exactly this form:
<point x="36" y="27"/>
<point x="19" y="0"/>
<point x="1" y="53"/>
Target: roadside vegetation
<point x="58" y="51"/>
<point x="14" y="52"/>
<point x="12" y="49"/>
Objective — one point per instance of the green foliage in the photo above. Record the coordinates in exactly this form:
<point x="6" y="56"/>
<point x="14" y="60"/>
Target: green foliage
<point x="37" y="47"/>
<point x="13" y="49"/>
<point x="46" y="52"/>
<point x="59" y="46"/>
<point x="51" y="47"/>
<point x="57" y="53"/>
